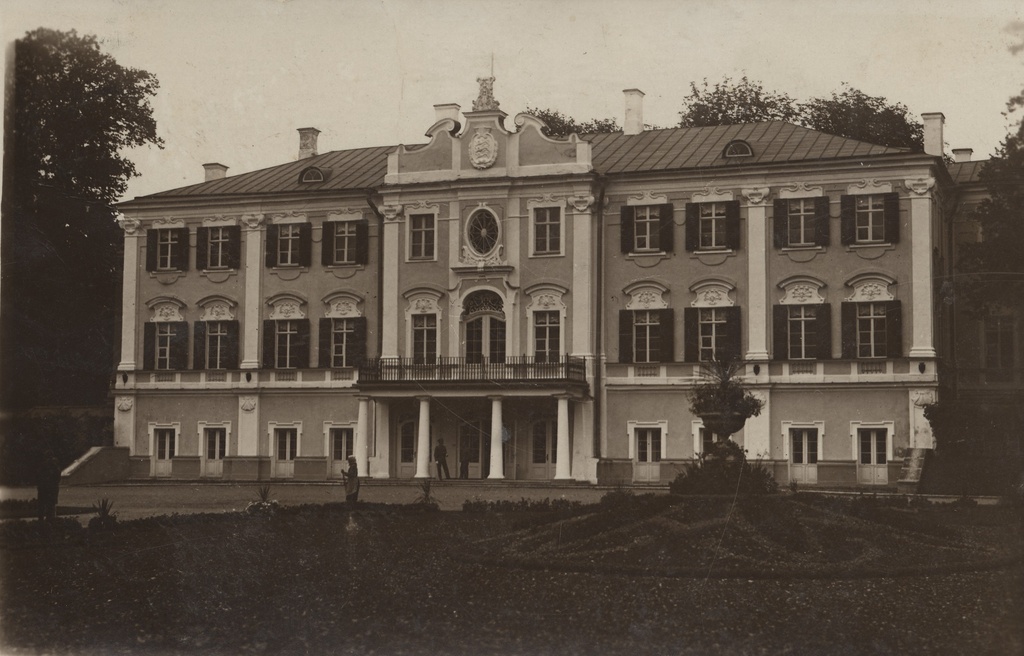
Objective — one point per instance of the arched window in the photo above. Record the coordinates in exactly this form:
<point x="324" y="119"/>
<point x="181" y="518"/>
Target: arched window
<point x="738" y="148"/>
<point x="312" y="174"/>
<point x="483" y="319"/>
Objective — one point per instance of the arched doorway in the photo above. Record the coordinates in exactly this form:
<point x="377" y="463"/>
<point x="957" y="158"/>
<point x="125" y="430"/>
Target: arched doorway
<point x="483" y="326"/>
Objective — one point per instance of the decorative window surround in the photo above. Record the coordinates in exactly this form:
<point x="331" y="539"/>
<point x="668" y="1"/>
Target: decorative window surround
<point x="801" y="290"/>
<point x="342" y="305"/>
<point x="547" y="297"/>
<point x="633" y="425"/>
<point x="166" y="308"/>
<point x="870" y="287"/>
<point x="646" y="295"/>
<point x="272" y="426"/>
<point x="788" y="425"/>
<point x="424" y="301"/>
<point x="152" y="429"/>
<point x="800" y="190"/>
<point x="869" y="186"/>
<point x="548" y="201"/>
<point x="647" y="198"/>
<point x="201" y="434"/>
<point x="421" y="207"/>
<point x="217" y="308"/>
<point x="219" y="221"/>
<point x="713" y="292"/>
<point x="695" y="427"/>
<point x="279" y="218"/>
<point x="328" y="425"/>
<point x="855" y="426"/>
<point x="286" y="306"/>
<point x="711" y="194"/>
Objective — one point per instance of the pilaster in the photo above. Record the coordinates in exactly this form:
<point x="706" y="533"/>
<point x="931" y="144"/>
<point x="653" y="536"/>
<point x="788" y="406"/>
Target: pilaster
<point x="390" y="324"/>
<point x="582" y="275"/>
<point x="921" y="266"/>
<point x="252" y="228"/>
<point x="129" y="292"/>
<point x="757" y="273"/>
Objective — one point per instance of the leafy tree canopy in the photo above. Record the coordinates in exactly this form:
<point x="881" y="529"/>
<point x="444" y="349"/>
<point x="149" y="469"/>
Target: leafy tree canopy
<point x="729" y="103"/>
<point x="561" y="126"/>
<point x="853" y="114"/>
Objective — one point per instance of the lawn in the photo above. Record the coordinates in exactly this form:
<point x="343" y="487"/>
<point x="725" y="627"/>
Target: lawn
<point x="633" y="576"/>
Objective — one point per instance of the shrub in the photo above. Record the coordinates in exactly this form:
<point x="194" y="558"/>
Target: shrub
<point x="521" y="505"/>
<point x="105" y="518"/>
<point x="724" y="469"/>
<point x="721" y="392"/>
<point x="263" y="505"/>
<point x="17" y="534"/>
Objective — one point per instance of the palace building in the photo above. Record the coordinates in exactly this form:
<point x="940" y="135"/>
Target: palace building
<point x="542" y="305"/>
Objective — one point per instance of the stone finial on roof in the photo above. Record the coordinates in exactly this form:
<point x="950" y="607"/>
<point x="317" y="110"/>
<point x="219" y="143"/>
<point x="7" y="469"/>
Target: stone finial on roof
<point x="485" y="101"/>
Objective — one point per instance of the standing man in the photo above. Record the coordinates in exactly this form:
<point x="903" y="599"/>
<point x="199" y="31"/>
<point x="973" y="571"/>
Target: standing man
<point x="351" y="481"/>
<point x="441" y="458"/>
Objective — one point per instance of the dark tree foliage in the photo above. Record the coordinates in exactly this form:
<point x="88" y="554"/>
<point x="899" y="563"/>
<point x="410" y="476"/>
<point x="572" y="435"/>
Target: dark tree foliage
<point x="853" y="114"/>
<point x="730" y="103"/>
<point x="992" y="270"/>
<point x="560" y="126"/>
<point x="72" y="111"/>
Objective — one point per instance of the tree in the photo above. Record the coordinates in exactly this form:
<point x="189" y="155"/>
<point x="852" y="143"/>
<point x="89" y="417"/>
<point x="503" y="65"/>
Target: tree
<point x="72" y="113"/>
<point x="853" y="114"/>
<point x="729" y="103"/>
<point x="561" y="126"/>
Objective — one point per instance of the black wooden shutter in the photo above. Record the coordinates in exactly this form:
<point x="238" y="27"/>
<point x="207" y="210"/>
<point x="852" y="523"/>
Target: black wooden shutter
<point x="847" y="220"/>
<point x="666" y="229"/>
<point x="327" y="243"/>
<point x="180" y="254"/>
<point x="362" y="241"/>
<point x="151" y="245"/>
<point x="202" y="248"/>
<point x="893" y="329"/>
<point x="305" y="247"/>
<point x="732" y="225"/>
<point x="691" y="334"/>
<point x="627" y="235"/>
<point x="732" y="346"/>
<point x="302" y="344"/>
<point x="271" y="255"/>
<point x="234" y="247"/>
<point x="179" y="345"/>
<point x="149" y="345"/>
<point x="324" y="343"/>
<point x="780" y="332"/>
<point x="199" y="344"/>
<point x="231" y="346"/>
<point x="780" y="223"/>
<point x="666" y="338"/>
<point x="357" y="348"/>
<point x="891" y="214"/>
<point x="692" y="227"/>
<point x="823" y="331"/>
<point x="269" y="341"/>
<point x="821" y="221"/>
<point x="849" y="330"/>
<point x="625" y="335"/>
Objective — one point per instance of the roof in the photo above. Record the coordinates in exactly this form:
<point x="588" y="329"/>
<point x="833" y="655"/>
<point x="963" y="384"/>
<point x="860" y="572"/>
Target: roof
<point x="966" y="172"/>
<point x="772" y="142"/>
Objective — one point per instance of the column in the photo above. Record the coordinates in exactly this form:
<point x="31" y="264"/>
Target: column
<point x="563" y="468"/>
<point x="757" y="274"/>
<point x="390" y="322"/>
<point x="359" y="448"/>
<point x="921" y="266"/>
<point x="380" y="443"/>
<point x="423" y="439"/>
<point x="129" y="292"/>
<point x="497" y="459"/>
<point x="252" y="323"/>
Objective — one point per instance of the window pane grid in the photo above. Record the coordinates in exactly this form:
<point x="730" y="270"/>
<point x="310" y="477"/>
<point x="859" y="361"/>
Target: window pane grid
<point x="422" y="236"/>
<point x="341" y="439"/>
<point x="870" y="219"/>
<point x="712" y="333"/>
<point x="341" y="336"/>
<point x="287" y="443"/>
<point x="288" y="245"/>
<point x="345" y="243"/>
<point x="801" y="222"/>
<point x="287" y="333"/>
<point x="216" y="443"/>
<point x="167" y="241"/>
<point x="424" y="338"/>
<point x="216" y="248"/>
<point x="801" y="333"/>
<point x="645" y="228"/>
<point x="646" y="336"/>
<point x="547" y="230"/>
<point x="164" y="335"/>
<point x="546" y="336"/>
<point x="712" y="225"/>
<point x="871" y="330"/>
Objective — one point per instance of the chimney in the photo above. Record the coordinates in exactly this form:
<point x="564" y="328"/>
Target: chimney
<point x="307" y="142"/>
<point x="215" y="171"/>
<point x="447" y="110"/>
<point x="962" y="154"/>
<point x="933" y="143"/>
<point x="634" y="123"/>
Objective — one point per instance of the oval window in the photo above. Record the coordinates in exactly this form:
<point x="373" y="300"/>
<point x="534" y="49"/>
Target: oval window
<point x="482" y="232"/>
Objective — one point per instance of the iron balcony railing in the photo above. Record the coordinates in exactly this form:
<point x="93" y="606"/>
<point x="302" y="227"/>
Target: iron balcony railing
<point x="513" y="369"/>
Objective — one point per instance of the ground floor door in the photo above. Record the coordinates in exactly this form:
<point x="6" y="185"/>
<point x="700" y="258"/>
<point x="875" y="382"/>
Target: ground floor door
<point x="407" y="449"/>
<point x="474" y="449"/>
<point x="543" y="450"/>
<point x="872" y="465"/>
<point x="647" y="461"/>
<point x="803" y="455"/>
<point x="341" y="448"/>
<point x="216" y="447"/>
<point x="287" y="444"/>
<point x="165" y="445"/>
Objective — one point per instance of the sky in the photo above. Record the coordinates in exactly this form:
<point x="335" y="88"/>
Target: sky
<point x="238" y="77"/>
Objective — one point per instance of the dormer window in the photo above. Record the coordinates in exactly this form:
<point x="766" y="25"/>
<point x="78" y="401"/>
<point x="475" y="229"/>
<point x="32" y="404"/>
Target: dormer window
<point x="738" y="148"/>
<point x="312" y="174"/>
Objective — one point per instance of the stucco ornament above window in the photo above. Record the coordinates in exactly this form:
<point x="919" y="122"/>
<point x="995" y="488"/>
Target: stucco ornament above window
<point x="712" y="293"/>
<point x="167" y="311"/>
<point x="870" y="288"/>
<point x="286" y="307"/>
<point x="802" y="290"/>
<point x="646" y="296"/>
<point x="483" y="149"/>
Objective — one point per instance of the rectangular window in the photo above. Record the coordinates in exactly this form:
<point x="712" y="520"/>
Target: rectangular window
<point x="342" y="335"/>
<point x="216" y="345"/>
<point x="869" y="212"/>
<point x="546" y="347"/>
<point x="800" y="222"/>
<point x="646" y="336"/>
<point x="164" y="340"/>
<point x="288" y="239"/>
<point x="165" y="439"/>
<point x="341" y="443"/>
<point x="216" y="443"/>
<point x="648" y="444"/>
<point x="712" y="226"/>
<point x="646" y="225"/>
<point x="287" y="443"/>
<point x="872" y="446"/>
<point x="421" y="236"/>
<point x="712" y="325"/>
<point x="344" y="239"/>
<point x="407" y="442"/>
<point x="544" y="449"/>
<point x="871" y="337"/>
<point x="285" y="346"/>
<point x="1000" y="348"/>
<point x="424" y="338"/>
<point x="802" y="343"/>
<point x="707" y="440"/>
<point x="217" y="248"/>
<point x="804" y="446"/>
<point x="167" y="246"/>
<point x="547" y="231"/>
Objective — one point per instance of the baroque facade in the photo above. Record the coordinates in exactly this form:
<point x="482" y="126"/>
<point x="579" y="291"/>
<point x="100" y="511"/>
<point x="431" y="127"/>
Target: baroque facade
<point x="541" y="305"/>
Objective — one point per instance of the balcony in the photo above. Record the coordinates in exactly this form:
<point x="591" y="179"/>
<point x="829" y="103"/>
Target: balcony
<point x="513" y="371"/>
